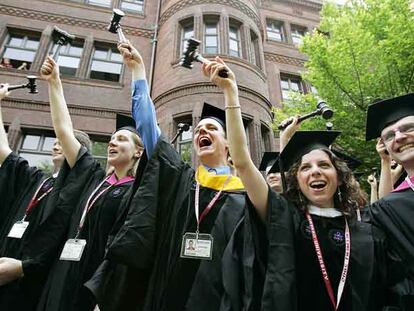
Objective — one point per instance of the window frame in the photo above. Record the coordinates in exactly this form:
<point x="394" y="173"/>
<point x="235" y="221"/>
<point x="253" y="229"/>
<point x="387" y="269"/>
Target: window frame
<point x="186" y="23"/>
<point x="65" y="51"/>
<point x="235" y="26"/>
<point x="27" y="35"/>
<point x="210" y="20"/>
<point x="290" y="79"/>
<point x="294" y="33"/>
<point x="182" y="142"/>
<point x="108" y="47"/>
<point x="282" y="32"/>
<point x="132" y="10"/>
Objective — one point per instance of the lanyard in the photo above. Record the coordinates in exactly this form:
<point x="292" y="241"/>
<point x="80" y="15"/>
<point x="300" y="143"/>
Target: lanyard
<point x="209" y="206"/>
<point x="410" y="183"/>
<point x="89" y="204"/>
<point x="324" y="271"/>
<point x="35" y="200"/>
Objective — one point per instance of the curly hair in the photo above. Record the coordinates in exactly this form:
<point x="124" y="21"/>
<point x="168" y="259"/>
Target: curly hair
<point x="350" y="198"/>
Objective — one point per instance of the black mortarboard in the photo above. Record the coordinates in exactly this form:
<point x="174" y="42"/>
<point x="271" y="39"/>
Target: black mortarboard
<point x="303" y="142"/>
<point x="268" y="162"/>
<point x="383" y="113"/>
<point x="352" y="162"/>
<point x="212" y="112"/>
<point x="124" y="122"/>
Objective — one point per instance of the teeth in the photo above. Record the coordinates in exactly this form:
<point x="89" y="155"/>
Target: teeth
<point x="405" y="147"/>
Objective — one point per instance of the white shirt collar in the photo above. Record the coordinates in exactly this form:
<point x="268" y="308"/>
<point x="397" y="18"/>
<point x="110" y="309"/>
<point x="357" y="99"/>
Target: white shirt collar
<point x="324" y="212"/>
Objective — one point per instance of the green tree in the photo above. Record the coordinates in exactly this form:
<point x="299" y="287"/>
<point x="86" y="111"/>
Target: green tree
<point x="361" y="52"/>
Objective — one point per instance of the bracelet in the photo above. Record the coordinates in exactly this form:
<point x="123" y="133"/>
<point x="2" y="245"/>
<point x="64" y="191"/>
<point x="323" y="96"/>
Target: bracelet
<point x="232" y="107"/>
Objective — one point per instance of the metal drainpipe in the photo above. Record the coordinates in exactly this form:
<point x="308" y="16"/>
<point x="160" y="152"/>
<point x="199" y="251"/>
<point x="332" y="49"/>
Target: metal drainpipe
<point x="154" y="48"/>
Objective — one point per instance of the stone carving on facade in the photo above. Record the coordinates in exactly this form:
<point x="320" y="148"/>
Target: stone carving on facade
<point x="59" y="19"/>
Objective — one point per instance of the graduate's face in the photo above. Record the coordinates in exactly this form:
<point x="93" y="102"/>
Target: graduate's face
<point x="318" y="178"/>
<point x="399" y="140"/>
<point x="122" y="150"/>
<point x="210" y="143"/>
<point x="275" y="181"/>
<point x="57" y="154"/>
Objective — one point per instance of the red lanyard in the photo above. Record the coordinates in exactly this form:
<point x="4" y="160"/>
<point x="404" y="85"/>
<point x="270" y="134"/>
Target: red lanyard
<point x="35" y="200"/>
<point x="209" y="206"/>
<point x="328" y="285"/>
<point x="89" y="204"/>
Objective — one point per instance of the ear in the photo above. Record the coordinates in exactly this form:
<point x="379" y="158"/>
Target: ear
<point x="138" y="152"/>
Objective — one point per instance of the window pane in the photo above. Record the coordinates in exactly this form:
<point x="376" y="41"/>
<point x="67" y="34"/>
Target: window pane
<point x="185" y="150"/>
<point x="284" y="84"/>
<point x="31" y="142"/>
<point x="233" y="33"/>
<point x="101" y="54"/>
<point x="234" y="45"/>
<point x="19" y="54"/>
<point x="106" y="67"/>
<point x="211" y="41"/>
<point x="32" y="44"/>
<point x="48" y="143"/>
<point x="116" y="57"/>
<point x="211" y="29"/>
<point x="105" y="76"/>
<point x="188" y="32"/>
<point x="294" y="85"/>
<point x="188" y="135"/>
<point x="68" y="61"/>
<point x="137" y="6"/>
<point x="75" y="51"/>
<point x="211" y="50"/>
<point x="40" y="160"/>
<point x="16" y="41"/>
<point x="106" y="3"/>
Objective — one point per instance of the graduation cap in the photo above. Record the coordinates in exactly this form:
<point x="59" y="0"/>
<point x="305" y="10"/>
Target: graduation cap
<point x="384" y="112"/>
<point x="352" y="162"/>
<point x="269" y="162"/>
<point x="212" y="112"/>
<point x="124" y="122"/>
<point x="303" y="142"/>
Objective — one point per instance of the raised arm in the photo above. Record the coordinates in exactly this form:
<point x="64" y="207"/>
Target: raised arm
<point x="4" y="143"/>
<point x="287" y="133"/>
<point x="62" y="122"/>
<point x="143" y="110"/>
<point x="374" y="188"/>
<point x="252" y="179"/>
<point x="385" y="182"/>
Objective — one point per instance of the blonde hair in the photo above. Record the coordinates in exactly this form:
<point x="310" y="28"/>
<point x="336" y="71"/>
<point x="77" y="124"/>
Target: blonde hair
<point x="132" y="170"/>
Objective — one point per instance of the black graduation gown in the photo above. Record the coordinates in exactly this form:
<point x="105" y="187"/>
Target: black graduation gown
<point x="292" y="262"/>
<point x="394" y="214"/>
<point x="64" y="288"/>
<point x="162" y="211"/>
<point x="19" y="183"/>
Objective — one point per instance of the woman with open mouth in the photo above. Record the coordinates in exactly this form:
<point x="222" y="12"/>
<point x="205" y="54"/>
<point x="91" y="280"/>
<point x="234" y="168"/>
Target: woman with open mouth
<point x="319" y="256"/>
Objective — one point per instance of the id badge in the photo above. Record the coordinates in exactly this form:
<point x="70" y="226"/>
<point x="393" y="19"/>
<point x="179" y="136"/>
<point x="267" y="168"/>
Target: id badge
<point x="18" y="229"/>
<point x="73" y="249"/>
<point x="198" y="247"/>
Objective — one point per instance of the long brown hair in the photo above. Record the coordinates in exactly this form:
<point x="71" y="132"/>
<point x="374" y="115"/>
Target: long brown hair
<point x="349" y="200"/>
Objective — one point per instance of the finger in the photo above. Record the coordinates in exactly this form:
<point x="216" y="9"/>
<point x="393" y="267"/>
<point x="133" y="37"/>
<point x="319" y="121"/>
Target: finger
<point x="219" y="60"/>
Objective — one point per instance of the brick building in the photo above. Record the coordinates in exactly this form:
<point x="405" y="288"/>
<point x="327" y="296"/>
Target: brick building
<point x="257" y="38"/>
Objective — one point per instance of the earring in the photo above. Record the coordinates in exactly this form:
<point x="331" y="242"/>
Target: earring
<point x="339" y="195"/>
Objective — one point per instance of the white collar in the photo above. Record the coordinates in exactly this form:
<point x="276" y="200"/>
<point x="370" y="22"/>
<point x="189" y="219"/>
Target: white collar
<point x="328" y="212"/>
